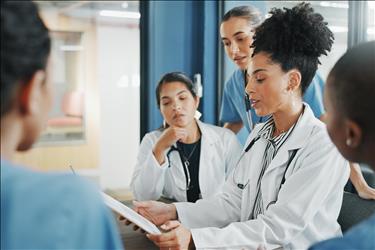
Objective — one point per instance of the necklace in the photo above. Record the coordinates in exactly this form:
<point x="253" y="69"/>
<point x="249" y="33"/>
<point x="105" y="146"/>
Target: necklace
<point x="186" y="159"/>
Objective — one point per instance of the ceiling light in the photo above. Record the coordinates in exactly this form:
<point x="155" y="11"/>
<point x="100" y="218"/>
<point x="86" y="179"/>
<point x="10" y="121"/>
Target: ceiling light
<point x="125" y="5"/>
<point x="334" y="5"/>
<point x="71" y="48"/>
<point x="121" y="14"/>
<point x="338" y="29"/>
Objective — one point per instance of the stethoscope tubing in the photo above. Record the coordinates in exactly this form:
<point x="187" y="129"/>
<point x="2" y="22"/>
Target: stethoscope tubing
<point x="186" y="169"/>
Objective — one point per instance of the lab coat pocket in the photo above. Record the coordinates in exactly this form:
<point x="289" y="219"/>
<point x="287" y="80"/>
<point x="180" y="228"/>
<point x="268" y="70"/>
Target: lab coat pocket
<point x="175" y="183"/>
<point x="177" y="178"/>
<point x="247" y="202"/>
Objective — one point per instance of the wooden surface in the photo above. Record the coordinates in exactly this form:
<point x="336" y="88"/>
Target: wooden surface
<point x="134" y="240"/>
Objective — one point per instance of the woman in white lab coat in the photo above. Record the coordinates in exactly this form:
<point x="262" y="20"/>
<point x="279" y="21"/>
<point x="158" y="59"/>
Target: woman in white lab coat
<point x="287" y="188"/>
<point x="186" y="159"/>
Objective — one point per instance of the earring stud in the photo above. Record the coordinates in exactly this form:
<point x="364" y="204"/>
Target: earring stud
<point x="349" y="142"/>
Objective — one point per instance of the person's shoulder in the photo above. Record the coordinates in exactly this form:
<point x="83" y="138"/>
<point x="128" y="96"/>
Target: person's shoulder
<point x="360" y="237"/>
<point x="82" y="209"/>
<point x="238" y="73"/>
<point x="50" y="190"/>
<point x="76" y="200"/>
<point x="66" y="189"/>
<point x="153" y="135"/>
<point x="364" y="231"/>
<point x="235" y="79"/>
<point x="314" y="133"/>
<point x="318" y="80"/>
<point x="318" y="131"/>
<point x="237" y="76"/>
<point x="221" y="132"/>
<point x="311" y="121"/>
<point x="77" y="190"/>
<point x="52" y="200"/>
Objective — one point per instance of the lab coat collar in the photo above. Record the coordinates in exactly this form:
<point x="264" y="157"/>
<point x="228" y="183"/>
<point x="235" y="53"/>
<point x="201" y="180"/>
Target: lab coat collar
<point x="297" y="139"/>
<point x="303" y="129"/>
<point x="207" y="135"/>
<point x="209" y="138"/>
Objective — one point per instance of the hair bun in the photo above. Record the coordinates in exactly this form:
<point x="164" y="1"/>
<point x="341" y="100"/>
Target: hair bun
<point x="296" y="31"/>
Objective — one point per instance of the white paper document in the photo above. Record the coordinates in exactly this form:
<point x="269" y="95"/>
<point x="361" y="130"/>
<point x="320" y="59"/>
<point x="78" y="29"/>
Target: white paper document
<point x="130" y="214"/>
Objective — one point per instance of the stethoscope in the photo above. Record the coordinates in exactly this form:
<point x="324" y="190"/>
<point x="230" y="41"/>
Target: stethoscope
<point x="248" y="147"/>
<point x="184" y="164"/>
<point x="244" y="184"/>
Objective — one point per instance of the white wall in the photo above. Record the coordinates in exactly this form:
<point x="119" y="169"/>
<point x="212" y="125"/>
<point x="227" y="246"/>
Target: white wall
<point x="118" y="77"/>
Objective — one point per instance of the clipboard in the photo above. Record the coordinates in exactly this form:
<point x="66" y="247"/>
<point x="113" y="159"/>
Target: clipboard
<point x="130" y="215"/>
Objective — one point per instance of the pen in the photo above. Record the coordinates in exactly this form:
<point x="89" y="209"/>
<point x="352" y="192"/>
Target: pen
<point x="70" y="166"/>
<point x="248" y="111"/>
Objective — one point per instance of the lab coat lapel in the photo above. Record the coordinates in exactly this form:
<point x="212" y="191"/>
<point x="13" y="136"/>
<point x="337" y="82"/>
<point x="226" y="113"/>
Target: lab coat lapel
<point x="177" y="173"/>
<point x="208" y="140"/>
<point x="296" y="140"/>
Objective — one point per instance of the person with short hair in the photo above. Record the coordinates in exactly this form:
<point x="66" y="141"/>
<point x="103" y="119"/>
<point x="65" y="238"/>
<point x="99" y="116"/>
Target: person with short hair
<point x="350" y="101"/>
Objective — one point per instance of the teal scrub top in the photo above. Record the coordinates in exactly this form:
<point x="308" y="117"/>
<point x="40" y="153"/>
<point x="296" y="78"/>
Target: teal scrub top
<point x="50" y="211"/>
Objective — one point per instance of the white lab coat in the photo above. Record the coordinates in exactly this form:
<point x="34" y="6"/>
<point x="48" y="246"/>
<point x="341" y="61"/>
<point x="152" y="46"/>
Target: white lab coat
<point x="220" y="151"/>
<point x="307" y="206"/>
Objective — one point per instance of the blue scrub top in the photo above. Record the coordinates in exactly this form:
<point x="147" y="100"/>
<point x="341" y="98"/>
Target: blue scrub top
<point x="49" y="211"/>
<point x="233" y="105"/>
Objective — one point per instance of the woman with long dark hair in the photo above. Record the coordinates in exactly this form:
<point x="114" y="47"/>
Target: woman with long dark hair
<point x="186" y="159"/>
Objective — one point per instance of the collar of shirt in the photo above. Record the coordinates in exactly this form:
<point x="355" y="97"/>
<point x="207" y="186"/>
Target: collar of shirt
<point x="267" y="130"/>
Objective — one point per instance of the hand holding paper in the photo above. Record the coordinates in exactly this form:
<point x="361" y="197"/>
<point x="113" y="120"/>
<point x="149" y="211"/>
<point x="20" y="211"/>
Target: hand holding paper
<point x="130" y="215"/>
<point x="155" y="211"/>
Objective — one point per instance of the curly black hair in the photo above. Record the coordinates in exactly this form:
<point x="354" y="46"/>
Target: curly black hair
<point x="294" y="38"/>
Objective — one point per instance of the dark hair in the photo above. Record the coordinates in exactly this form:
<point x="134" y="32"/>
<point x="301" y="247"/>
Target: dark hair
<point x="25" y="46"/>
<point x="175" y="77"/>
<point x="251" y="14"/>
<point x="352" y="81"/>
<point x="294" y="38"/>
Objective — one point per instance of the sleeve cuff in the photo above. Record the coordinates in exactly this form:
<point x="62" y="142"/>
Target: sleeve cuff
<point x="163" y="166"/>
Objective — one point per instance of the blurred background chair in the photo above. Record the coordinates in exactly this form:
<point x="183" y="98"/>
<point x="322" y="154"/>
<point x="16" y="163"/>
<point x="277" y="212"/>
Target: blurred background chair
<point x="368" y="175"/>
<point x="354" y="210"/>
<point x="72" y="108"/>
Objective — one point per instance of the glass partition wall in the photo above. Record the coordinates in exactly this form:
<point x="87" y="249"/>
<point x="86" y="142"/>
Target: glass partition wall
<point x="94" y="121"/>
<point x="66" y="121"/>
